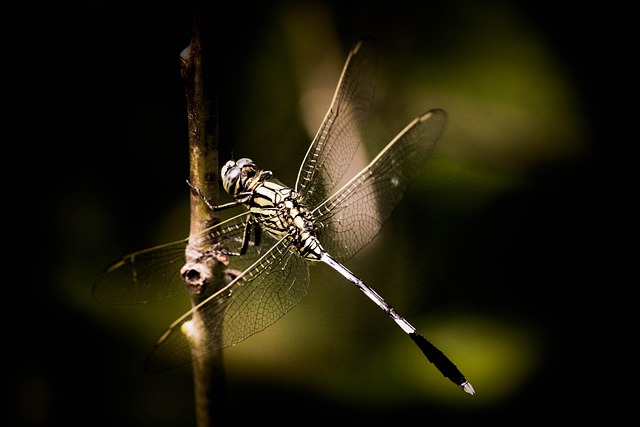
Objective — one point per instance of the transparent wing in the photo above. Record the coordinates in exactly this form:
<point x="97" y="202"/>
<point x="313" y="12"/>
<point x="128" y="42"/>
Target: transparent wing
<point x="270" y="280"/>
<point x="334" y="145"/>
<point x="153" y="274"/>
<point x="353" y="216"/>
<point x="272" y="285"/>
<point x="144" y="276"/>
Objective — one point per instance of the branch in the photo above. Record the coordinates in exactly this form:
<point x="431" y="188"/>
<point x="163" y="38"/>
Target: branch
<point x="202" y="278"/>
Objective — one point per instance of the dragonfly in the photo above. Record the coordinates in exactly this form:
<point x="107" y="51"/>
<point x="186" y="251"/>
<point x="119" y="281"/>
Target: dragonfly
<point x="282" y="230"/>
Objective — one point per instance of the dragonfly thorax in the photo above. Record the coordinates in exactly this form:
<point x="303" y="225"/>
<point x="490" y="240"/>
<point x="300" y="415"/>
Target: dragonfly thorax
<point x="276" y="208"/>
<point x="280" y="211"/>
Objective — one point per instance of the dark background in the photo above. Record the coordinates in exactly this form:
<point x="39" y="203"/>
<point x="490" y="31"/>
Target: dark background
<point x="508" y="241"/>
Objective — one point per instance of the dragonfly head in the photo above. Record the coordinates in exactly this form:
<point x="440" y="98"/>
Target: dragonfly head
<point x="236" y="175"/>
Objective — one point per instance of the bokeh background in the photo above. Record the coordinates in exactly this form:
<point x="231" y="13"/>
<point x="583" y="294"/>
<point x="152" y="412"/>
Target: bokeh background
<point x="487" y="254"/>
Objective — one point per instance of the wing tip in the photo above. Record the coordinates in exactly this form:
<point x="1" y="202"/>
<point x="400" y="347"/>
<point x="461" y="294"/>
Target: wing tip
<point x="436" y="112"/>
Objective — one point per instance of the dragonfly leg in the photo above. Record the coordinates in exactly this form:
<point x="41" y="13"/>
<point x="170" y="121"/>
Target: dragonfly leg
<point x="210" y="205"/>
<point x="246" y="237"/>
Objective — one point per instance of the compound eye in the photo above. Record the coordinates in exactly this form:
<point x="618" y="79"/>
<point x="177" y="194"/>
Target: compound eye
<point x="227" y="166"/>
<point x="230" y="174"/>
<point x="249" y="168"/>
<point x="245" y="162"/>
<point x="231" y="179"/>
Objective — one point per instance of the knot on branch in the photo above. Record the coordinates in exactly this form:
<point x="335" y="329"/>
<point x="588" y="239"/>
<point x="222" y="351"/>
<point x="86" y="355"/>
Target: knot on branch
<point x="196" y="276"/>
<point x="205" y="268"/>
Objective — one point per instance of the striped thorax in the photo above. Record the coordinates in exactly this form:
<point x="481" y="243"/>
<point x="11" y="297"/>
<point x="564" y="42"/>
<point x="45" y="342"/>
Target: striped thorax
<point x="277" y="208"/>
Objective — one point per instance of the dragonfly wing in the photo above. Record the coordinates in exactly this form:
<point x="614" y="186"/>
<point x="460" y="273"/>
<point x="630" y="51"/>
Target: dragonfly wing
<point x="273" y="284"/>
<point x="153" y="274"/>
<point x="143" y="276"/>
<point x="353" y="215"/>
<point x="335" y="144"/>
<point x="277" y="283"/>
